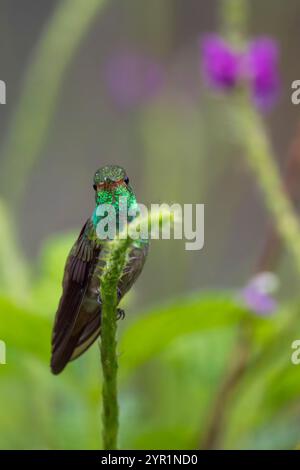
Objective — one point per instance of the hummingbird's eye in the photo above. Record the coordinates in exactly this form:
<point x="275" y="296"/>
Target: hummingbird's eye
<point x="95" y="187"/>
<point x="126" y="180"/>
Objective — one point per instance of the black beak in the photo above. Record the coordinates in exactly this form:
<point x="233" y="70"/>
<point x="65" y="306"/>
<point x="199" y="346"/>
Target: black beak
<point x="107" y="182"/>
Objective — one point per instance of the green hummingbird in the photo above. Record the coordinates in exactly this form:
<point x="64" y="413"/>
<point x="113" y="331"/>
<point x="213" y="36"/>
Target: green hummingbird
<point x="78" y="318"/>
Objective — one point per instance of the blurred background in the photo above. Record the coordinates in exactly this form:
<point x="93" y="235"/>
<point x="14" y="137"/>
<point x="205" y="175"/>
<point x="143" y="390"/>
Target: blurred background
<point x="102" y="82"/>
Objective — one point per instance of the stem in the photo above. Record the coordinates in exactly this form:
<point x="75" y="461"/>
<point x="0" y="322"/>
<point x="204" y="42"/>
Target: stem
<point x="273" y="245"/>
<point x="260" y="160"/>
<point x="32" y="117"/>
<point x="254" y="139"/>
<point x="236" y="369"/>
<point x="108" y="348"/>
<point x="251" y="127"/>
<point x="115" y="255"/>
<point x="234" y="19"/>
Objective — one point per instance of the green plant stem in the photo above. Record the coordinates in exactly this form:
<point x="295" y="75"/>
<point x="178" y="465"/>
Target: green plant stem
<point x="33" y="114"/>
<point x="250" y="131"/>
<point x="234" y="19"/>
<point x="235" y="372"/>
<point x="108" y="348"/>
<point x="115" y="254"/>
<point x="254" y="139"/>
<point x="260" y="159"/>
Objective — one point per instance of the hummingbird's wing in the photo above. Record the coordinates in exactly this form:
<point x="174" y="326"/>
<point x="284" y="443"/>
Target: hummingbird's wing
<point x="133" y="268"/>
<point x="89" y="334"/>
<point x="75" y="330"/>
<point x="66" y="331"/>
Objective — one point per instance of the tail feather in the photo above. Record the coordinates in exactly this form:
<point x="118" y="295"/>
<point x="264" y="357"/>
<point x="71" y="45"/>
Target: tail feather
<point x="76" y="345"/>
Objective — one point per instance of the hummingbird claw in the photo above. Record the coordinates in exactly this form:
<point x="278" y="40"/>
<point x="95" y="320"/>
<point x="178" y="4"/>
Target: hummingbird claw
<point x="120" y="314"/>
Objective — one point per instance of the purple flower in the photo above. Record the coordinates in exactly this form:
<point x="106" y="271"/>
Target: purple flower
<point x="224" y="68"/>
<point x="257" y="295"/>
<point x="220" y="62"/>
<point x="132" y="79"/>
<point x="262" y="71"/>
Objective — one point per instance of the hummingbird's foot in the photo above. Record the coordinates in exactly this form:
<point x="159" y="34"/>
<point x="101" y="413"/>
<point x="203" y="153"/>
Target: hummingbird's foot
<point x="120" y="314"/>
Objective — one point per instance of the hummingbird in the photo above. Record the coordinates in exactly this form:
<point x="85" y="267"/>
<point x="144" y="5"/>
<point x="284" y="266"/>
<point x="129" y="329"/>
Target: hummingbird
<point x="78" y="318"/>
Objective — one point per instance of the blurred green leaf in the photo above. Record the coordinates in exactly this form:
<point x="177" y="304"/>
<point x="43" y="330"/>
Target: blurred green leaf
<point x="280" y="432"/>
<point x="154" y="331"/>
<point x="271" y="382"/>
<point x="26" y="331"/>
<point x="12" y="267"/>
<point x="54" y="254"/>
<point x="47" y="285"/>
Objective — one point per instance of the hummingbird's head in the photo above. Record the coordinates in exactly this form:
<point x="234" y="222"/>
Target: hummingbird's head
<point x="111" y="182"/>
<point x="111" y="186"/>
<point x="109" y="177"/>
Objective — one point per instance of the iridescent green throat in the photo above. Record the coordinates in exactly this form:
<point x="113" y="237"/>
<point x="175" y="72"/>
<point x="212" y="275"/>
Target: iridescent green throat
<point x="118" y="197"/>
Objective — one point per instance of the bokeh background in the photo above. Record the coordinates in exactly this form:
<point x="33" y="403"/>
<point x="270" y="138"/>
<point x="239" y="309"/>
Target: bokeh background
<point x="101" y="82"/>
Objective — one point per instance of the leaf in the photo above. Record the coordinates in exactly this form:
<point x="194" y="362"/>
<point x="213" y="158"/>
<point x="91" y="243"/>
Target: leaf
<point x="12" y="266"/>
<point x="154" y="331"/>
<point x="23" y="330"/>
<point x="53" y="256"/>
<point x="279" y="433"/>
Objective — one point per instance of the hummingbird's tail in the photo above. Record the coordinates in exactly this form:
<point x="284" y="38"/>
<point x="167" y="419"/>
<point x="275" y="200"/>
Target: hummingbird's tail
<point x="61" y="356"/>
<point x="75" y="345"/>
<point x="88" y="337"/>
